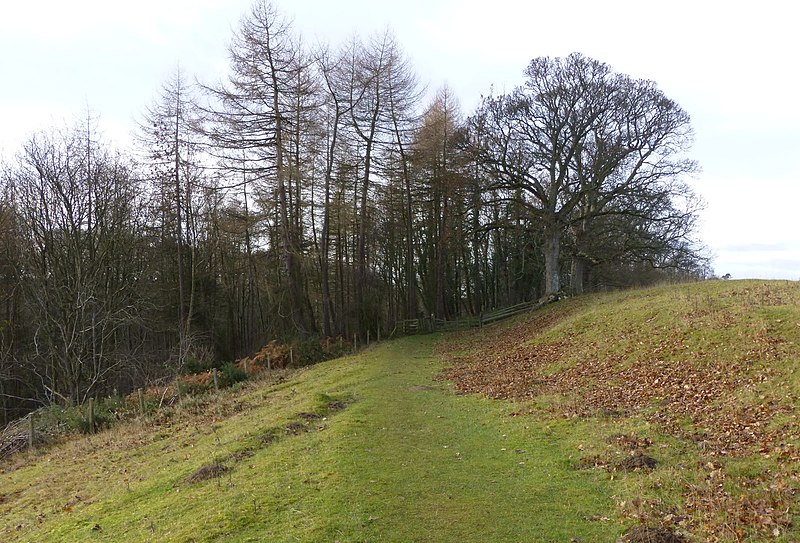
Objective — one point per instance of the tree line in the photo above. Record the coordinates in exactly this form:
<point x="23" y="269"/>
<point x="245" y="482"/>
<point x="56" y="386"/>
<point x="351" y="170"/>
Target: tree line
<point x="319" y="193"/>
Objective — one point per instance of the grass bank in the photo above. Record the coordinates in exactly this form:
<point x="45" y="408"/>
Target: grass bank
<point x="696" y="384"/>
<point x="364" y="448"/>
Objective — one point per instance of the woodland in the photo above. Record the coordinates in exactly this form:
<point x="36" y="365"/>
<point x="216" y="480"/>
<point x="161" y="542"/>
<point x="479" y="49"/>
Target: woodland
<point x="321" y="193"/>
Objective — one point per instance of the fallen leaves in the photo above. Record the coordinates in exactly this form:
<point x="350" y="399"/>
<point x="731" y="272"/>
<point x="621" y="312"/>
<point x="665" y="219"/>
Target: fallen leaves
<point x="674" y="376"/>
<point x="711" y="376"/>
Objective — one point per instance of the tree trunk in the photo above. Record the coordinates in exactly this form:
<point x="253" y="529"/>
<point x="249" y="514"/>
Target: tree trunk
<point x="327" y="304"/>
<point x="552" y="252"/>
<point x="361" y="246"/>
<point x="578" y="274"/>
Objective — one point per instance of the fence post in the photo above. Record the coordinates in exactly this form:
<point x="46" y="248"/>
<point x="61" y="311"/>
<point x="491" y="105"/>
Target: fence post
<point x="367" y="338"/>
<point x="91" y="415"/>
<point x="216" y="381"/>
<point x="245" y="368"/>
<point x="269" y="362"/>
<point x="481" y="319"/>
<point x="379" y="334"/>
<point x="30" y="431"/>
<point x="141" y="401"/>
<point x="291" y="357"/>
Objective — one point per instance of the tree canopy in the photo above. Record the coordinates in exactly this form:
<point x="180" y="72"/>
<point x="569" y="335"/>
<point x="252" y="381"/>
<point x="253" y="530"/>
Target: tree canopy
<point x="323" y="192"/>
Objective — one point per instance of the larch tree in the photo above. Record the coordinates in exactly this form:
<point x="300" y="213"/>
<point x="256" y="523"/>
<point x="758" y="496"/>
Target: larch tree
<point x="252" y="120"/>
<point x="167" y="137"/>
<point x="438" y="168"/>
<point x="382" y="94"/>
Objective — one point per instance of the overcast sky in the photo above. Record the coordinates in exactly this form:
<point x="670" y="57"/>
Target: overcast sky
<point x="733" y="66"/>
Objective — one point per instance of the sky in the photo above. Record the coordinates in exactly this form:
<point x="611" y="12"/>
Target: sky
<point x="732" y="66"/>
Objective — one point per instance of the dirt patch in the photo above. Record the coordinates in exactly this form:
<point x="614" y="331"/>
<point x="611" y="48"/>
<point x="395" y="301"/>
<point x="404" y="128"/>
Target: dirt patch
<point x="422" y="388"/>
<point x="590" y="462"/>
<point x="209" y="471"/>
<point x="295" y="428"/>
<point x="6" y="497"/>
<point x="336" y="405"/>
<point x="640" y="462"/>
<point x="309" y="416"/>
<point x="241" y="455"/>
<point x="652" y="534"/>
<point x="268" y="438"/>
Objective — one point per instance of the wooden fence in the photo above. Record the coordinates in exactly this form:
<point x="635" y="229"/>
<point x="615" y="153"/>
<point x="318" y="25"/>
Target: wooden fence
<point x="430" y="324"/>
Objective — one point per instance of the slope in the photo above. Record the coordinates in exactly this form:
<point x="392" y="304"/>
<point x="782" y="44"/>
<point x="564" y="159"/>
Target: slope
<point x="698" y="379"/>
<point x="366" y="448"/>
<point x="661" y="415"/>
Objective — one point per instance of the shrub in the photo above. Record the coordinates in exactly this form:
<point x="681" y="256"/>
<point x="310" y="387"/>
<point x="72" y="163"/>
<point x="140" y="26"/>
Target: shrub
<point x="194" y="365"/>
<point x="57" y="419"/>
<point x="229" y="374"/>
<point x="191" y="385"/>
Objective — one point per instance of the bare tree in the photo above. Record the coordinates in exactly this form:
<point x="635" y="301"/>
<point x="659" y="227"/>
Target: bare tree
<point x="167" y="137"/>
<point x="438" y="171"/>
<point x="335" y="109"/>
<point x="383" y="91"/>
<point x="577" y="139"/>
<point x="631" y="198"/>
<point x="76" y="205"/>
<point x="253" y="123"/>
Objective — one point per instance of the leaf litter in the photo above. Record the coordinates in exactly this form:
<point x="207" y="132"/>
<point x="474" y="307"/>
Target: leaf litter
<point x="714" y="375"/>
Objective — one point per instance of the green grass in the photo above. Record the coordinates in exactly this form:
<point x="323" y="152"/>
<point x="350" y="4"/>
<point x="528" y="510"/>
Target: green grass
<point x="683" y="366"/>
<point x="380" y="450"/>
<point x="405" y="460"/>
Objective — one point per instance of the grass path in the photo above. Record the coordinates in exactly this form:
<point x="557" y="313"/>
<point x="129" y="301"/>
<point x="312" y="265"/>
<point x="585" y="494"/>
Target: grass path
<point x="411" y="461"/>
<point x="406" y="461"/>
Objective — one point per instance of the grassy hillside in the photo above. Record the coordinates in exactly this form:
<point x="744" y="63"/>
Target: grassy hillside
<point x="701" y="378"/>
<point x="367" y="448"/>
<point x="667" y="414"/>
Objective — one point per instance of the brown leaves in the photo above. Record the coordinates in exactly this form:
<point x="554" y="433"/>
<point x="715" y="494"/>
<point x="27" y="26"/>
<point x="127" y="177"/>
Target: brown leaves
<point x="684" y="381"/>
<point x="715" y="375"/>
<point x="760" y="505"/>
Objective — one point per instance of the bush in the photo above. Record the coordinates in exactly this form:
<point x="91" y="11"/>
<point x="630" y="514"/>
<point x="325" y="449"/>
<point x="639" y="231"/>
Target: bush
<point x="229" y="374"/>
<point x="307" y="353"/>
<point x="57" y="419"/>
<point x="192" y="385"/>
<point x="316" y="350"/>
<point x="195" y="365"/>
